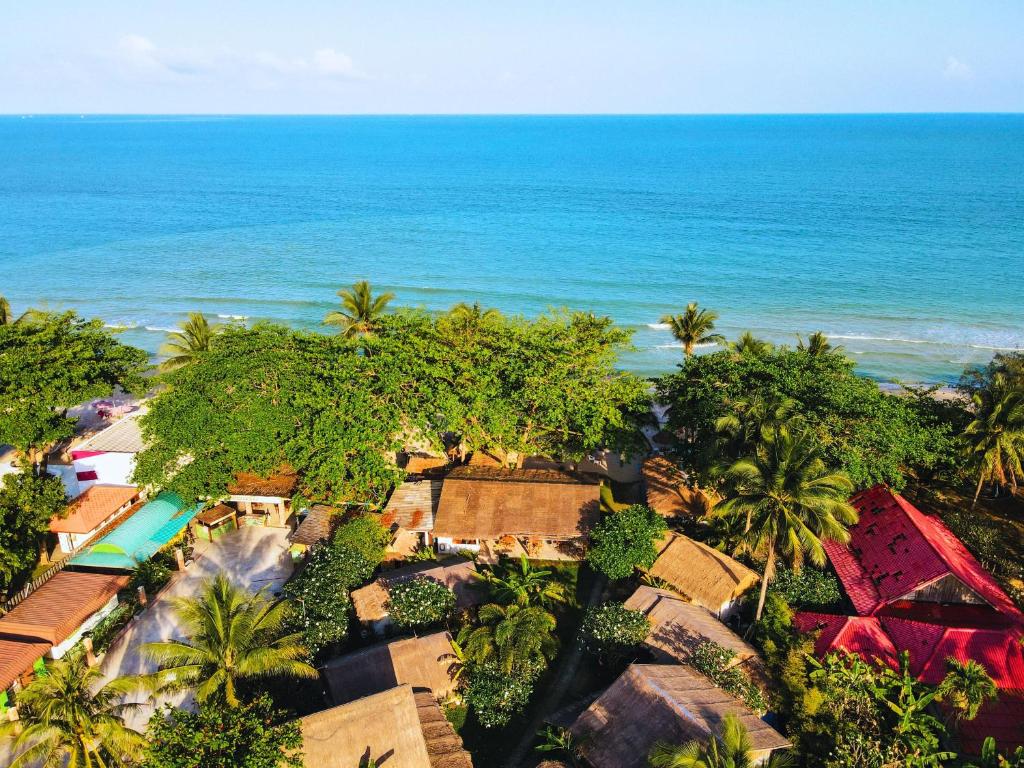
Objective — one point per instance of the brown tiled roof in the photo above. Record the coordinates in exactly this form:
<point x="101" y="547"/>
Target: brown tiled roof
<point x="678" y="627"/>
<point x="17" y="657"/>
<point x="384" y="727"/>
<point x="425" y="663"/>
<point x="412" y="505"/>
<point x="489" y="502"/>
<point x="704" y="575"/>
<point x="93" y="508"/>
<point x="650" y="703"/>
<point x="458" y="575"/>
<point x="316" y="526"/>
<point x="57" y="609"/>
<point x="214" y="515"/>
<point x="280" y="485"/>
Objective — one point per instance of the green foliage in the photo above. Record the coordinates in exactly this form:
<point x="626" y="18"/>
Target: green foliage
<point x="625" y="540"/>
<point x="103" y="634"/>
<point x="991" y="757"/>
<point x="808" y="588"/>
<point x="320" y="597"/>
<point x="515" y="636"/>
<point x="215" y="736"/>
<point x="713" y="660"/>
<point x="612" y="631"/>
<point x="50" y="363"/>
<point x="152" y="575"/>
<point x="185" y="345"/>
<point x="495" y="696"/>
<point x="872" y="436"/>
<point x="27" y="504"/>
<point x="362" y="542"/>
<point x="518" y="581"/>
<point x="419" y="603"/>
<point x="984" y="537"/>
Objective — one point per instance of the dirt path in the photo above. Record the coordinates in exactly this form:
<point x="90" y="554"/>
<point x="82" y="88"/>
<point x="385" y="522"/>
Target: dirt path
<point x="568" y="665"/>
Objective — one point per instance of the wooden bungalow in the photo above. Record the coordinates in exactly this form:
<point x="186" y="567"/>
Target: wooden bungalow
<point x="652" y="703"/>
<point x="409" y="515"/>
<point x="213" y="523"/>
<point x="544" y="514"/>
<point x="316" y="527"/>
<point x="263" y="500"/>
<point x="702" y="574"/>
<point x="396" y="728"/>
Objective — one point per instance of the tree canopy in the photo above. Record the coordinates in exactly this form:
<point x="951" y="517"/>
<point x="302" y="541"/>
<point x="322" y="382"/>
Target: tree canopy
<point x="27" y="504"/>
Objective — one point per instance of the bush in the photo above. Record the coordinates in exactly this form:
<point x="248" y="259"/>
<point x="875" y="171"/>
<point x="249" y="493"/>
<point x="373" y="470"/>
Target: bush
<point x="712" y="660"/>
<point x="321" y="597"/>
<point x="103" y="634"/>
<point x="613" y="631"/>
<point x="496" y="697"/>
<point x="624" y="541"/>
<point x="151" y="575"/>
<point x="361" y="543"/>
<point x="420" y="602"/>
<point x="807" y="588"/>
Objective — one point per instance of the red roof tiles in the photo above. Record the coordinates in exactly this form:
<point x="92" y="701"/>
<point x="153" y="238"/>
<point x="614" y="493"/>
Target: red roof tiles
<point x="57" y="609"/>
<point x="93" y="508"/>
<point x="896" y="549"/>
<point x="862" y="635"/>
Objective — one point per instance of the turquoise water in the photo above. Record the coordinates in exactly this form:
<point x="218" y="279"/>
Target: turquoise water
<point x="902" y="237"/>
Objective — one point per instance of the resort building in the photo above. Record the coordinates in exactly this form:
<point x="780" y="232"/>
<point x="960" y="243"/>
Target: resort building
<point x="63" y="609"/>
<point x="653" y="703"/>
<point x="140" y="536"/>
<point x="216" y="522"/>
<point x="424" y="663"/>
<point x="396" y="728"/>
<point x="20" y="661"/>
<point x="314" y="529"/>
<point x="702" y="574"/>
<point x="545" y="514"/>
<point x="108" y="457"/>
<point x="409" y="515"/>
<point x="95" y="509"/>
<point x="678" y="628"/>
<point x="263" y="500"/>
<point x="459" y="575"/>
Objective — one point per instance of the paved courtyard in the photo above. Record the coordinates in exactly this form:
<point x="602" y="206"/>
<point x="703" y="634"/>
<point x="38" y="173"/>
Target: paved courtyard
<point x="251" y="557"/>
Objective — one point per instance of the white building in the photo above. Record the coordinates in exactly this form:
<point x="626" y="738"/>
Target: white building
<point x="108" y="457"/>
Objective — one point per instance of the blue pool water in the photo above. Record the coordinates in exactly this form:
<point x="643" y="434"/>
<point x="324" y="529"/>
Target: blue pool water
<point x="902" y="237"/>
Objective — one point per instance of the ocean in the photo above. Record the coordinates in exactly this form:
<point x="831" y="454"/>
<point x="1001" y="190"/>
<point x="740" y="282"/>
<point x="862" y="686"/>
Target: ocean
<point x="901" y="237"/>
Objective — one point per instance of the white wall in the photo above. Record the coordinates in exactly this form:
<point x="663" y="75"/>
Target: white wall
<point x="110" y="469"/>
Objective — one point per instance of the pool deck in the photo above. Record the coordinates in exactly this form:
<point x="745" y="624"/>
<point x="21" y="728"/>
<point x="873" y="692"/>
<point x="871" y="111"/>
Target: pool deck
<point x="251" y="557"/>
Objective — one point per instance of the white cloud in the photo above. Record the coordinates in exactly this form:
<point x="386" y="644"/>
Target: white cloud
<point x="956" y="69"/>
<point x="138" y="57"/>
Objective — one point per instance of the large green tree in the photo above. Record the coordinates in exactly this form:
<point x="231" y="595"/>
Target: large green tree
<point x="514" y="636"/>
<point x="27" y="505"/>
<point x="787" y="500"/>
<point x="731" y="749"/>
<point x="625" y="541"/>
<point x="231" y="637"/>
<point x="50" y="363"/>
<point x="68" y="719"/>
<point x="995" y="436"/>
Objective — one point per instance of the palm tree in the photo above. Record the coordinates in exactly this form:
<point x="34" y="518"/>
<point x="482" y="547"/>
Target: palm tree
<point x="817" y="345"/>
<point x="473" y="314"/>
<point x="515" y="635"/>
<point x="184" y="346"/>
<point x="5" y="311"/>
<point x="68" y="719"/>
<point x="231" y="636"/>
<point x="748" y="345"/>
<point x="731" y="750"/>
<point x="753" y="419"/>
<point x="996" y="435"/>
<point x="789" y="501"/>
<point x="359" y="311"/>
<point x="524" y="585"/>
<point x="966" y="687"/>
<point x="694" y="327"/>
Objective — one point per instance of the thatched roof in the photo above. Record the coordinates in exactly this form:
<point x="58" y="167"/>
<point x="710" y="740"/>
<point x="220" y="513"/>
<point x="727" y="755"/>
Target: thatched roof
<point x="489" y="502"/>
<point x="678" y="627"/>
<point x="425" y="663"/>
<point x="702" y="574"/>
<point x="444" y="747"/>
<point x="280" y="485"/>
<point x="458" y="575"/>
<point x="649" y="703"/>
<point x="663" y="484"/>
<point x="315" y="527"/>
<point x="412" y="505"/>
<point x="418" y="463"/>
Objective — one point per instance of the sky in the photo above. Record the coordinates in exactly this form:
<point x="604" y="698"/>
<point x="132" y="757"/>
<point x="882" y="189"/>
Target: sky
<point x="527" y="56"/>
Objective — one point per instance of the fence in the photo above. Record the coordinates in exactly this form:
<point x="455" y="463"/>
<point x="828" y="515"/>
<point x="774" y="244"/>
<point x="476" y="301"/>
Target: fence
<point x="33" y="585"/>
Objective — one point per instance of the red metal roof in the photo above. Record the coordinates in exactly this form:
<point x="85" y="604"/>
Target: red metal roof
<point x="896" y="549"/>
<point x="862" y="635"/>
<point x="1001" y="719"/>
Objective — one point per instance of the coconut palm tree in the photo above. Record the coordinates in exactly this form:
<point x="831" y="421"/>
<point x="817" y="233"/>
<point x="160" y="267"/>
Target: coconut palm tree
<point x="230" y="636"/>
<point x="694" y="327"/>
<point x="996" y="435"/>
<point x="68" y="719"/>
<point x="788" y="501"/>
<point x="515" y="635"/>
<point x="521" y="583"/>
<point x="360" y="309"/>
<point x="748" y="345"/>
<point x="755" y="418"/>
<point x="966" y="686"/>
<point x="817" y="345"/>
<point x="185" y="345"/>
<point x="473" y="313"/>
<point x="5" y="311"/>
<point x="732" y="750"/>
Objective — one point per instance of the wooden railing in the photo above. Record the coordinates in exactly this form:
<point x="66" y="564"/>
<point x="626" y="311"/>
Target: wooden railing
<point x="33" y="585"/>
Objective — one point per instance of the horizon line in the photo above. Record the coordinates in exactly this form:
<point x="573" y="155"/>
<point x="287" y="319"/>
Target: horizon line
<point x="30" y="114"/>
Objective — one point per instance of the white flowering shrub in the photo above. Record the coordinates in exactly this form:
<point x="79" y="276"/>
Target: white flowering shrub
<point x="613" y="631"/>
<point x="419" y="602"/>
